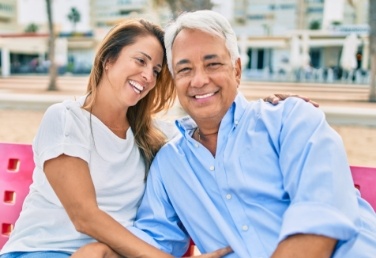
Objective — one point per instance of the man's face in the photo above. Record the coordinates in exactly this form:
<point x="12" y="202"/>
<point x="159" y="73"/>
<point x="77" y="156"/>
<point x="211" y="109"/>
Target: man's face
<point x="204" y="76"/>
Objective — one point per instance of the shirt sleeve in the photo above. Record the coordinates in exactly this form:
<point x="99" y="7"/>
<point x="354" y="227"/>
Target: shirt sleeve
<point x="316" y="176"/>
<point x="63" y="130"/>
<point x="157" y="218"/>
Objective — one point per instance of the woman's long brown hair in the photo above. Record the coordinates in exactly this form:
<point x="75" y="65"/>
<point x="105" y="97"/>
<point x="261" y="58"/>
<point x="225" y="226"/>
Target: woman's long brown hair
<point x="148" y="138"/>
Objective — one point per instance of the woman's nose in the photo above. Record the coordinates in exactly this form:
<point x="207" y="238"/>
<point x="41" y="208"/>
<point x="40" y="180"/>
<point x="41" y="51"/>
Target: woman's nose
<point x="148" y="74"/>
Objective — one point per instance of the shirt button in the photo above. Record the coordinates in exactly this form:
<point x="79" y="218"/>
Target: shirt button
<point x="244" y="227"/>
<point x="228" y="196"/>
<point x="236" y="122"/>
<point x="211" y="168"/>
<point x="196" y="145"/>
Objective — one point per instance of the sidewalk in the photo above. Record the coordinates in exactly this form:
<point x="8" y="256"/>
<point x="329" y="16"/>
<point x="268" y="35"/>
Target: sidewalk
<point x="29" y="92"/>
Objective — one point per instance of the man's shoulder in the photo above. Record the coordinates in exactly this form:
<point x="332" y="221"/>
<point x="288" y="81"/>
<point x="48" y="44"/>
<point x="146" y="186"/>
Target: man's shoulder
<point x="172" y="150"/>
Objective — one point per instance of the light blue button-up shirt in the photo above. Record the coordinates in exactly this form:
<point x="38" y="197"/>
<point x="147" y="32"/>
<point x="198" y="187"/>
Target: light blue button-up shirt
<point x="278" y="171"/>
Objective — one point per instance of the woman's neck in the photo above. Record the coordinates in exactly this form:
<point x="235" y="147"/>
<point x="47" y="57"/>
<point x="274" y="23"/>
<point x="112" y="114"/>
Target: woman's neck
<point x="111" y="116"/>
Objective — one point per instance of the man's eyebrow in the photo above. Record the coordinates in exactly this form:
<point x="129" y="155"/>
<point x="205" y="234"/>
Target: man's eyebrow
<point x="183" y="61"/>
<point x="149" y="57"/>
<point x="207" y="57"/>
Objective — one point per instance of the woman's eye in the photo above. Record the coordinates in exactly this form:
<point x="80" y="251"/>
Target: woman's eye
<point x="140" y="60"/>
<point x="156" y="73"/>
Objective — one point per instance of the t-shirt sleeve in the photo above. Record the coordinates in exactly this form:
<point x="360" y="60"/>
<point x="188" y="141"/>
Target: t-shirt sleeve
<point x="63" y="130"/>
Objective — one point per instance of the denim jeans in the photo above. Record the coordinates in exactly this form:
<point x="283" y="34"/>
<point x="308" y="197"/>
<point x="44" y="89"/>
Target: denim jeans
<point x="42" y="254"/>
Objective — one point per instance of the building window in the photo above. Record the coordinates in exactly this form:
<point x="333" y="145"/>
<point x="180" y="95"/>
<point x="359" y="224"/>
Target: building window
<point x="287" y="6"/>
<point x="315" y="10"/>
<point x="256" y="17"/>
<point x="6" y="7"/>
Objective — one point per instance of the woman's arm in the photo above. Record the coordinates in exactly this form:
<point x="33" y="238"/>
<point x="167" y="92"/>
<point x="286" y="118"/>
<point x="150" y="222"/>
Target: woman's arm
<point x="276" y="97"/>
<point x="99" y="250"/>
<point x="70" y="178"/>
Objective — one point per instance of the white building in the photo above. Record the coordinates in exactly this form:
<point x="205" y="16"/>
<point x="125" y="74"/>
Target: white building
<point x="321" y="26"/>
<point x="265" y="27"/>
<point x="75" y="44"/>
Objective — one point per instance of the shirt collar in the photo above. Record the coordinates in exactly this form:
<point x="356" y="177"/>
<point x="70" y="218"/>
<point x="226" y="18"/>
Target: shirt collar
<point x="233" y="116"/>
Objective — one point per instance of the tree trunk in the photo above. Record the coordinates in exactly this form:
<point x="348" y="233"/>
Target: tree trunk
<point x="372" y="45"/>
<point x="173" y="4"/>
<point x="52" y="86"/>
<point x="179" y="6"/>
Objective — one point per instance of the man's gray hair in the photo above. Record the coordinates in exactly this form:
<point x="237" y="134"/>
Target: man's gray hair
<point x="206" y="21"/>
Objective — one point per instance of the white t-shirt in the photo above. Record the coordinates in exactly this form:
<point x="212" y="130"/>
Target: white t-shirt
<point x="117" y="170"/>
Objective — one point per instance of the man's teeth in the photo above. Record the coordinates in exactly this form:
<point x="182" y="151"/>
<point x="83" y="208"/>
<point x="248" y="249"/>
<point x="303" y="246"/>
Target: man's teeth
<point x="204" y="96"/>
<point x="137" y="87"/>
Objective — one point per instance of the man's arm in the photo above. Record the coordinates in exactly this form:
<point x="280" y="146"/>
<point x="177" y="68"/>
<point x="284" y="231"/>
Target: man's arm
<point x="305" y="245"/>
<point x="316" y="177"/>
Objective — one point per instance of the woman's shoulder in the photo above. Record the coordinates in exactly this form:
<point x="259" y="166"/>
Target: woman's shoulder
<point x="70" y="105"/>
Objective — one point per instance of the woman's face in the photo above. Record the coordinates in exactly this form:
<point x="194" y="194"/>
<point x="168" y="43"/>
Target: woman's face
<point x="135" y="71"/>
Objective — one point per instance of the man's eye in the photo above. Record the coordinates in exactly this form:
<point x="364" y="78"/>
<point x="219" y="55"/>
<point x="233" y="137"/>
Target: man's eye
<point x="214" y="65"/>
<point x="184" y="70"/>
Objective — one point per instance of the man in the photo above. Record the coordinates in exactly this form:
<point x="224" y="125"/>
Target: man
<point x="269" y="181"/>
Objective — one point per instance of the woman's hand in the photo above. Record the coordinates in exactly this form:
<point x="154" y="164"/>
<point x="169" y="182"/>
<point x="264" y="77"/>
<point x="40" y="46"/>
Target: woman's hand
<point x="216" y="254"/>
<point x="276" y="97"/>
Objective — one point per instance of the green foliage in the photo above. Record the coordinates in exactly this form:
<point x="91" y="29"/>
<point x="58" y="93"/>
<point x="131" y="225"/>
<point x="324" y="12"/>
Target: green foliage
<point x="315" y="25"/>
<point x="74" y="17"/>
<point x="32" y="28"/>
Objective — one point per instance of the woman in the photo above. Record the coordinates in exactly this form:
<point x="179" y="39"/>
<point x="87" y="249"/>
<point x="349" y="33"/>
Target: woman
<point x="92" y="154"/>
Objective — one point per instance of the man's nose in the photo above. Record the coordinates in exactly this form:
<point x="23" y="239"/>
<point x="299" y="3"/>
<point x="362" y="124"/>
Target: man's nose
<point x="200" y="78"/>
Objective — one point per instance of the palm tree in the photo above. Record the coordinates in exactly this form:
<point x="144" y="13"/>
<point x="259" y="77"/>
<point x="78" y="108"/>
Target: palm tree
<point x="52" y="86"/>
<point x="74" y="17"/>
<point x="372" y="44"/>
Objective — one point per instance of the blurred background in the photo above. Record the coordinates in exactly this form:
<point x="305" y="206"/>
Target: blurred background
<point x="280" y="40"/>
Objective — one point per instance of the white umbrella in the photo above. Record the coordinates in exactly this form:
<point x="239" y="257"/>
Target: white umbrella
<point x="305" y="58"/>
<point x="348" y="57"/>
<point x="295" y="53"/>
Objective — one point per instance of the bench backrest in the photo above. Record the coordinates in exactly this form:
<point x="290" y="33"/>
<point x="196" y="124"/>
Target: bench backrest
<point x="365" y="180"/>
<point x="16" y="169"/>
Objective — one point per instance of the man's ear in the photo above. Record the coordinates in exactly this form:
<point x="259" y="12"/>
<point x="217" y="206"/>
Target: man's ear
<point x="238" y="70"/>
